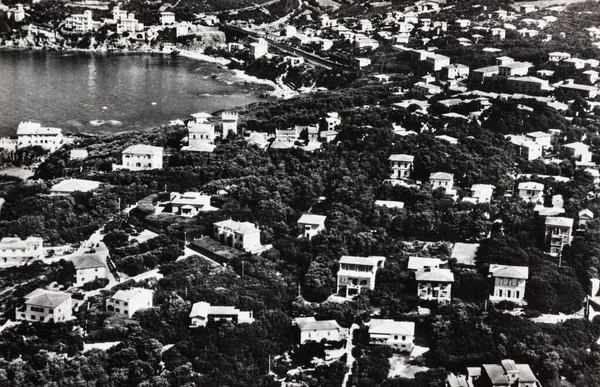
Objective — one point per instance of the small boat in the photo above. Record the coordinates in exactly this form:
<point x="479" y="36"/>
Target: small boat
<point x="97" y="122"/>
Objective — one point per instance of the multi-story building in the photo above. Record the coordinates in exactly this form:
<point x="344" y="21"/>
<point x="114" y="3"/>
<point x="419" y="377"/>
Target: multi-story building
<point x="422" y="89"/>
<point x="515" y="69"/>
<point x="396" y="334"/>
<point x="34" y="134"/>
<point x="542" y="138"/>
<point x="16" y="251"/>
<point x="584" y="91"/>
<point x="509" y="282"/>
<point x="435" y="284"/>
<point x="241" y="235"/>
<point x="528" y="85"/>
<point x="401" y="166"/>
<point x="456" y="70"/>
<point x="483" y="73"/>
<point x="45" y="306"/>
<point x="129" y="24"/>
<point x="141" y="157"/>
<point x="505" y="374"/>
<point x="558" y="233"/>
<point x="531" y="192"/>
<point x="118" y="14"/>
<point x="313" y="330"/>
<point x="331" y="121"/>
<point x="558" y="56"/>
<point x="437" y="62"/>
<point x="357" y="274"/>
<point x="442" y="180"/>
<point x="89" y="267"/>
<point x="167" y="18"/>
<point x="311" y="224"/>
<point x="203" y="312"/>
<point x="127" y="302"/>
<point x="17" y="13"/>
<point x="82" y="23"/>
<point x="584" y="216"/>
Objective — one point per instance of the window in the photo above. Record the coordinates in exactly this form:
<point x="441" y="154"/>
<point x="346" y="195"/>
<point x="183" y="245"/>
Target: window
<point x="33" y="316"/>
<point x="118" y="310"/>
<point x="395" y="337"/>
<point x="403" y="338"/>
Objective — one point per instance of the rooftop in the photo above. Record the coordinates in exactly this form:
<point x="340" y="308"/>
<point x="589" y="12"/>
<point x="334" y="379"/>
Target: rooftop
<point x="312" y="219"/>
<point x="46" y="298"/>
<point x="441" y="176"/>
<point x="244" y="228"/>
<point x="386" y="326"/>
<point x="144" y="149"/>
<point x="434" y="275"/>
<point x="89" y="261"/>
<point x="370" y="261"/>
<point x="559" y="221"/>
<point x="504" y="271"/>
<point x="401" y="157"/>
<point x="72" y="185"/>
<point x="126" y="295"/>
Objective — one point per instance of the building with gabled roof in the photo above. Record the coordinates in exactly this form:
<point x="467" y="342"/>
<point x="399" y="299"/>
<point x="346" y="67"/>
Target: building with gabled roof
<point x="559" y="233"/>
<point x="45" y="306"/>
<point x="584" y="216"/>
<point x="434" y="284"/>
<point x="313" y="330"/>
<point x="396" y="334"/>
<point x="241" y="235"/>
<point x="483" y="73"/>
<point x="311" y="224"/>
<point x="202" y="312"/>
<point x="509" y="282"/>
<point x="480" y="193"/>
<point x="127" y="302"/>
<point x="442" y="180"/>
<point x="89" y="267"/>
<point x="356" y="274"/>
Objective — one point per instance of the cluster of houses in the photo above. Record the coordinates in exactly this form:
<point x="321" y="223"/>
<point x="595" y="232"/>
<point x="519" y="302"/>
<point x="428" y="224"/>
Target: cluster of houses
<point x="121" y="21"/>
<point x="34" y="134"/>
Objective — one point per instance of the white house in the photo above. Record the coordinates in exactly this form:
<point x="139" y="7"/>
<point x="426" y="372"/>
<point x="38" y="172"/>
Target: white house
<point x="577" y="149"/>
<point x="189" y="203"/>
<point x="17" y="251"/>
<point x="311" y="224"/>
<point x="584" y="91"/>
<point x="203" y="312"/>
<point x="357" y="274"/>
<point x="442" y="180"/>
<point x="480" y="193"/>
<point x="82" y="23"/>
<point x="88" y="268"/>
<point x="531" y="191"/>
<point x="462" y="23"/>
<point x="437" y="62"/>
<point x="396" y="334"/>
<point x="129" y="24"/>
<point x="259" y="49"/>
<point x="141" y="157"/>
<point x="362" y="62"/>
<point x="401" y="166"/>
<point x="509" y="282"/>
<point x="422" y="89"/>
<point x="331" y="121"/>
<point x="313" y="330"/>
<point x="32" y="134"/>
<point x="515" y="69"/>
<point x="435" y="284"/>
<point x="127" y="302"/>
<point x="542" y="138"/>
<point x="456" y="70"/>
<point x="505" y="374"/>
<point x="584" y="216"/>
<point x="167" y="17"/>
<point x="499" y="32"/>
<point x="45" y="306"/>
<point x="78" y="154"/>
<point x="241" y="235"/>
<point x="559" y="233"/>
<point x="483" y="73"/>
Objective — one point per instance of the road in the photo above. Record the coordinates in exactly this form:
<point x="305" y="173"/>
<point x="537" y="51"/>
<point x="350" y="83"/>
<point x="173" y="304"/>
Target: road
<point x="349" y="357"/>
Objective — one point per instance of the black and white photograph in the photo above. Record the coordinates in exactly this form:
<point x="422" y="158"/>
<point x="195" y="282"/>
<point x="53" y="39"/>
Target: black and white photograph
<point x="299" y="193"/>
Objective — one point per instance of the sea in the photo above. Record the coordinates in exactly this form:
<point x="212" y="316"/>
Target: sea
<point x="95" y="93"/>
